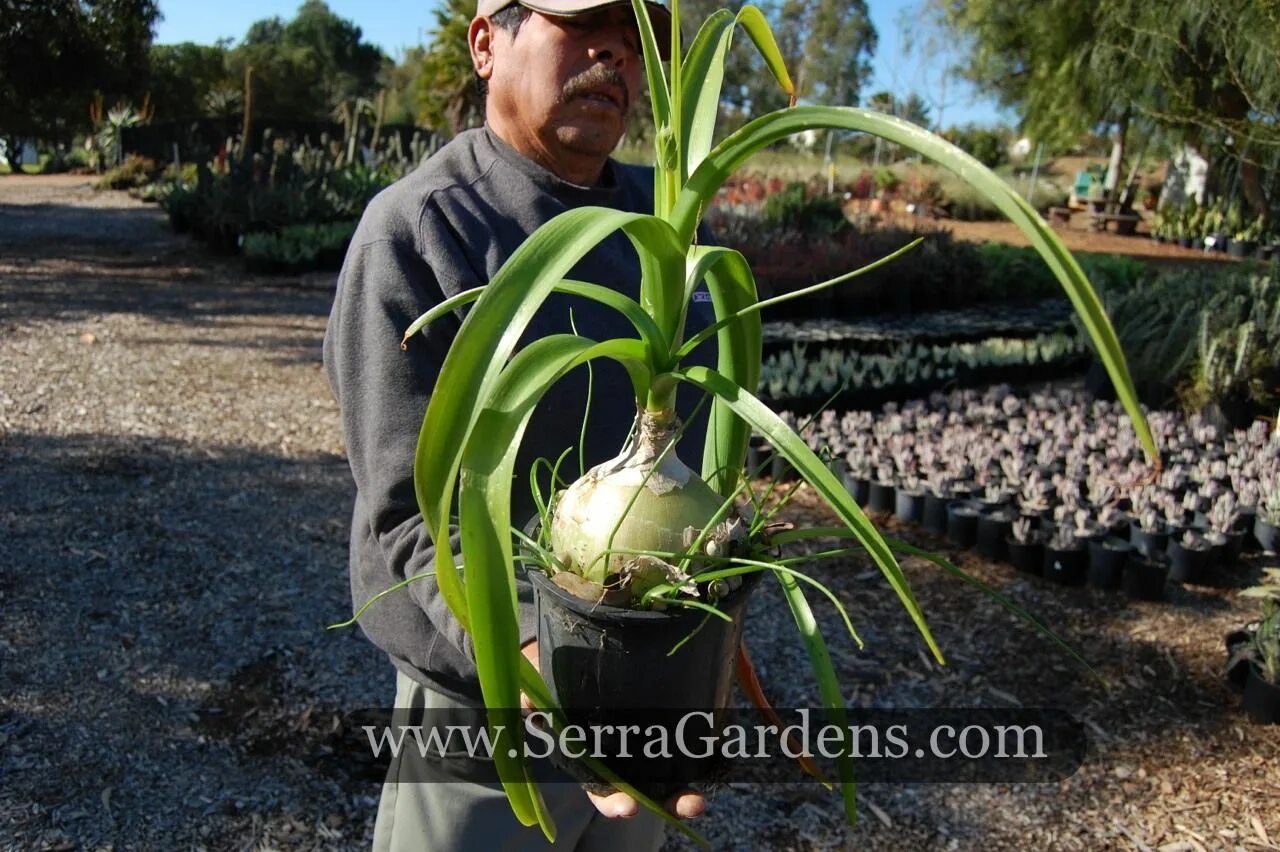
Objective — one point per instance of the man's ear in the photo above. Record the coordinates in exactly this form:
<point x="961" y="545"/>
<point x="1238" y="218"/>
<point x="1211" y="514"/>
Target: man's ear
<point x="480" y="39"/>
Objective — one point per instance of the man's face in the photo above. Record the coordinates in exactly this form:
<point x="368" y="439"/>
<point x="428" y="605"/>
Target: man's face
<point x="562" y="88"/>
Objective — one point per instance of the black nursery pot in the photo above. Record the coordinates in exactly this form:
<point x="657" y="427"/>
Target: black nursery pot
<point x="609" y="665"/>
<point x="1068" y="566"/>
<point x="781" y="470"/>
<point x="759" y="456"/>
<point x="1187" y="565"/>
<point x="993" y="529"/>
<point x="962" y="523"/>
<point x="908" y="506"/>
<point x="1261" y="699"/>
<point x="1238" y="672"/>
<point x="1268" y="535"/>
<point x="1149" y="544"/>
<point x="881" y="497"/>
<point x="859" y="489"/>
<point x="1107" y="558"/>
<point x="1028" y="558"/>
<point x="935" y="513"/>
<point x="1144" y="578"/>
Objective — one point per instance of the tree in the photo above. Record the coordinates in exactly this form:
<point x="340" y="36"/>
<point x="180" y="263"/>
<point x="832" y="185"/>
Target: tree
<point x="445" y="86"/>
<point x="54" y="56"/>
<point x="305" y="67"/>
<point x="1202" y="71"/>
<point x="184" y="75"/>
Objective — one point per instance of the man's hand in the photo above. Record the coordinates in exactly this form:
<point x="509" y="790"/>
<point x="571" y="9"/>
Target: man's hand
<point x="685" y="805"/>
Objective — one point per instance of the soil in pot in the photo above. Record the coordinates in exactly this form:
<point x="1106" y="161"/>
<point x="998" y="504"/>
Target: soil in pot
<point x="993" y="528"/>
<point x="881" y="498"/>
<point x="962" y="523"/>
<point x="1027" y="557"/>
<point x="1066" y="565"/>
<point x="1107" y="558"/>
<point x="611" y="665"/>
<point x="1144" y="577"/>
<point x="1261" y="699"/>
<point x="909" y="506"/>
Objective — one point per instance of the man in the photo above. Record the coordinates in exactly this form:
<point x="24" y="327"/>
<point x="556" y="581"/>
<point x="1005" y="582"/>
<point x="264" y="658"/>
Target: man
<point x="562" y="77"/>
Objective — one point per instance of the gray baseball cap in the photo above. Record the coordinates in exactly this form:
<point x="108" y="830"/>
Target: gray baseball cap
<point x="659" y="14"/>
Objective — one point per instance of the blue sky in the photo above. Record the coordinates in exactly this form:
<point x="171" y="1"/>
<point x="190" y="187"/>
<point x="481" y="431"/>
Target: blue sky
<point x="397" y="24"/>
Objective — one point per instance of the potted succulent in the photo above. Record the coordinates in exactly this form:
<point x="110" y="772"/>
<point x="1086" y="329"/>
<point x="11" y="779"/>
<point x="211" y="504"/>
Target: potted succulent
<point x="1223" y="518"/>
<point x="1189" y="558"/>
<point x="1026" y="547"/>
<point x="882" y="488"/>
<point x="857" y="478"/>
<point x="1148" y="534"/>
<point x="1145" y="575"/>
<point x="909" y="500"/>
<point x="994" y="526"/>
<point x="1245" y="240"/>
<point x="644" y="526"/>
<point x="962" y="522"/>
<point x="1266" y="527"/>
<point x="1065" y="559"/>
<point x="936" y="497"/>
<point x="1261" y="650"/>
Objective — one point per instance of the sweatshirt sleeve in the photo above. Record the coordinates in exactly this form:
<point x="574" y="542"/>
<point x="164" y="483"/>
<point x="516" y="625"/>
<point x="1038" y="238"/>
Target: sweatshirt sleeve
<point x="383" y="392"/>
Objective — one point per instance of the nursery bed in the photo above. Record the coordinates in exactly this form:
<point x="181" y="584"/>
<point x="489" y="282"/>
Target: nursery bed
<point x="175" y="504"/>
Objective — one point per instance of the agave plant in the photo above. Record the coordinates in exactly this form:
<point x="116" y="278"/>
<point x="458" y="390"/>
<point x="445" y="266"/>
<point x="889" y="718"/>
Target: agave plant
<point x="486" y="392"/>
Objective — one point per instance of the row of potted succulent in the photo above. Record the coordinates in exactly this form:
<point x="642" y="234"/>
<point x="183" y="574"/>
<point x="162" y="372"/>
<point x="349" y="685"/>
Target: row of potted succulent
<point x="1066" y="467"/>
<point x="794" y="373"/>
<point x="1215" y="227"/>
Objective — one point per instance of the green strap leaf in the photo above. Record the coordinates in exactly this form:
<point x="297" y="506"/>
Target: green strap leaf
<point x="751" y="19"/>
<point x="738" y="333"/>
<point x="703" y="80"/>
<point x="629" y="308"/>
<point x="489" y="334"/>
<point x="817" y="474"/>
<point x="734" y="151"/>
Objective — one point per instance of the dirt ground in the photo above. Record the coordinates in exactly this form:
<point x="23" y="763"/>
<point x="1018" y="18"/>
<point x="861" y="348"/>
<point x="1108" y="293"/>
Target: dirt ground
<point x="175" y="500"/>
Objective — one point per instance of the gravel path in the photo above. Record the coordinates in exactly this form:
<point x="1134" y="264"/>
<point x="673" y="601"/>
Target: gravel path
<point x="174" y="505"/>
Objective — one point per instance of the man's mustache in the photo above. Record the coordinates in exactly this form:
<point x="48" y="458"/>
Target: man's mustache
<point x="593" y="78"/>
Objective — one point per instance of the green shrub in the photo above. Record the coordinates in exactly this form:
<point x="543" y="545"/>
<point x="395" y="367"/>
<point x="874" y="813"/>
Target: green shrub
<point x="134" y="172"/>
<point x="299" y="248"/>
<point x="792" y="208"/>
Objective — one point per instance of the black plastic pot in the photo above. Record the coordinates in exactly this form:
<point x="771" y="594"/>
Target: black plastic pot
<point x="1246" y="520"/>
<point x="1144" y="578"/>
<point x="1107" y="558"/>
<point x="935" y="513"/>
<point x="962" y="523"/>
<point x="759" y="456"/>
<point x="1067" y="566"/>
<point x="908" y="506"/>
<point x="1230" y="552"/>
<point x="1238" y="672"/>
<point x="1268" y="535"/>
<point x="1261" y="699"/>
<point x="781" y="470"/>
<point x="993" y="529"/>
<point x="859" y="488"/>
<point x="604" y="664"/>
<point x="881" y="498"/>
<point x="1027" y="558"/>
<point x="1188" y="565"/>
<point x="1242" y="248"/>
<point x="1149" y="544"/>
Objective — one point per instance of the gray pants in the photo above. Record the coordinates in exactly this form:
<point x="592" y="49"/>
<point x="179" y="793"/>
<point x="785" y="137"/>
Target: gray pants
<point x="471" y="815"/>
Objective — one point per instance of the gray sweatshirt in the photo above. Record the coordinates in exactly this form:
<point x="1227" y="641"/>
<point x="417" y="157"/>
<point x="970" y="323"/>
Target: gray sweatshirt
<point x="445" y="228"/>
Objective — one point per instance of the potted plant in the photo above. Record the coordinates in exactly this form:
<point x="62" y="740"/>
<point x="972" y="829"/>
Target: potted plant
<point x="645" y="525"/>
<point x="1245" y="240"/>
<point x="1188" y="558"/>
<point x="1261" y="651"/>
<point x="1223" y="518"/>
<point x="962" y="522"/>
<point x="936" y="497"/>
<point x="909" y="500"/>
<point x="994" y="527"/>
<point x="1026" y="547"/>
<point x="1266" y="527"/>
<point x="1065" y="559"/>
<point x="857" y="479"/>
<point x="881" y="495"/>
<point x="1148" y="534"/>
